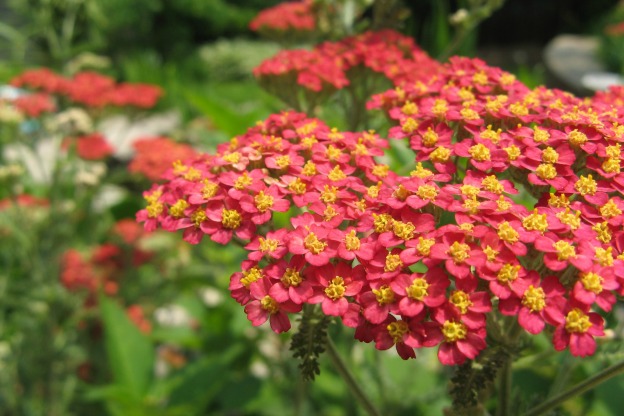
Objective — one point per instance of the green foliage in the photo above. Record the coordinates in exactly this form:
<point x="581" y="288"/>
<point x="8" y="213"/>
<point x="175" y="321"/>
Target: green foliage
<point x="308" y="343"/>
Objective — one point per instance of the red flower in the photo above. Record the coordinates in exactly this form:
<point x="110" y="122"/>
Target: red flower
<point x="536" y="303"/>
<point x="93" y="147"/>
<point x="578" y="330"/>
<point x="263" y="307"/>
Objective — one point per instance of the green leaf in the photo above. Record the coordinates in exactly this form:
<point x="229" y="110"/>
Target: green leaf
<point x="223" y="118"/>
<point x="130" y="353"/>
<point x="200" y="383"/>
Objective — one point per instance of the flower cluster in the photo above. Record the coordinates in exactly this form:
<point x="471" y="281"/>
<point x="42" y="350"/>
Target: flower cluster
<point x="100" y="268"/>
<point x="331" y="65"/>
<point x="286" y="17"/>
<point x="154" y="156"/>
<point x="90" y="89"/>
<point x="513" y="205"/>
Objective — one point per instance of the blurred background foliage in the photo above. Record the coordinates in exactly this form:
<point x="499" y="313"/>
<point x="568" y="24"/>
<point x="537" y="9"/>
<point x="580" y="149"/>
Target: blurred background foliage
<point x="213" y="362"/>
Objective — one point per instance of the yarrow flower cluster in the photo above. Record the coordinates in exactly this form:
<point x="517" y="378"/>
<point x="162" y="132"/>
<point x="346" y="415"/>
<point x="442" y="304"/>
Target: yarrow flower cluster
<point x="330" y="66"/>
<point x="514" y="205"/>
<point x="86" y="88"/>
<point x="297" y="16"/>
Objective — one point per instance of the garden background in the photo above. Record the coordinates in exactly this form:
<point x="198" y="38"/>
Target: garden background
<point x="100" y="317"/>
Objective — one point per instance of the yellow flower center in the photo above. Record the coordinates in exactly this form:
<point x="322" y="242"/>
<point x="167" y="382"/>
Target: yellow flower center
<point x="297" y="187"/>
<point x="309" y="169"/>
<point x="441" y="154"/>
<point x="409" y="108"/>
<point x="490" y="253"/>
<point x="535" y="222"/>
<point x="382" y="222"/>
<point x="232" y="158"/>
<point x="577" y="321"/>
<point x="393" y="262"/>
<point x="592" y="282"/>
<point x="329" y="194"/>
<point x="427" y="192"/>
<point x="472" y="205"/>
<point x="508" y="273"/>
<point x="198" y="217"/>
<point x="154" y="209"/>
<point x="384" y="295"/>
<point x="560" y="201"/>
<point x="564" y="250"/>
<point x="381" y="171"/>
<point x="430" y="138"/>
<point x="401" y="193"/>
<point x="459" y="252"/>
<point x="250" y="276"/>
<point x="230" y="218"/>
<point x="534" y="298"/>
<point x="614" y="151"/>
<point x="283" y="161"/>
<point x="409" y="125"/>
<point x="492" y="184"/>
<point x="540" y="135"/>
<point x="604" y="256"/>
<point x="586" y="185"/>
<point x="424" y="246"/>
<point x="513" y="152"/>
<point x="421" y="172"/>
<point x="352" y="242"/>
<point x="454" y="331"/>
<point x="336" y="174"/>
<point x="336" y="288"/>
<point x="611" y="165"/>
<point x="577" y="138"/>
<point x="329" y="213"/>
<point x="519" y="109"/>
<point x="610" y="210"/>
<point x="546" y="171"/>
<point x="269" y="304"/>
<point x="243" y="181"/>
<point x="403" y="230"/>
<point x="502" y="204"/>
<point x="461" y="300"/>
<point x="263" y="201"/>
<point x="397" y="330"/>
<point x="603" y="232"/>
<point x="440" y="107"/>
<point x="291" y="277"/>
<point x="550" y="155"/>
<point x="209" y="189"/>
<point x="491" y="135"/>
<point x="479" y="152"/>
<point x="313" y="244"/>
<point x="268" y="245"/>
<point x="418" y="289"/>
<point x="373" y="190"/>
<point x="177" y="209"/>
<point x="333" y="153"/>
<point x="469" y="190"/>
<point x="192" y="174"/>
<point x="570" y="218"/>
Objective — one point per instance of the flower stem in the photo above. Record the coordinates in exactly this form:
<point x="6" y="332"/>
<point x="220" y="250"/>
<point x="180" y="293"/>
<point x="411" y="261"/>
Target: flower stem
<point x="504" y="389"/>
<point x="346" y="375"/>
<point x="580" y="388"/>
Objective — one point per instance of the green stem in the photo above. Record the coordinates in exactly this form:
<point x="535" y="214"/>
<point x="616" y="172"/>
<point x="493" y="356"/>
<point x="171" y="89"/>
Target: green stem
<point x="504" y="390"/>
<point x="346" y="375"/>
<point x="580" y="388"/>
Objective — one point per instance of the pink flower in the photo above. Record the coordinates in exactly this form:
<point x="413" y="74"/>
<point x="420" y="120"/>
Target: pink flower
<point x="578" y="330"/>
<point x="419" y="290"/>
<point x="336" y="283"/>
<point x="263" y="307"/>
<point x="536" y="303"/>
